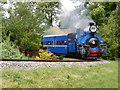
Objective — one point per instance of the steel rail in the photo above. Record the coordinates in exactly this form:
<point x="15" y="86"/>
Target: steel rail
<point x="49" y="60"/>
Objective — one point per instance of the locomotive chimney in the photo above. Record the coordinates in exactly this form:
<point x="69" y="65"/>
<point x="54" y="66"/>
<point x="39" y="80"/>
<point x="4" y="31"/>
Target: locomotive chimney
<point x="91" y="23"/>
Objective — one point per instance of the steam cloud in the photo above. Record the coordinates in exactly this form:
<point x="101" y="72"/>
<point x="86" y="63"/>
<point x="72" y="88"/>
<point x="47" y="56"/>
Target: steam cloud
<point x="74" y="15"/>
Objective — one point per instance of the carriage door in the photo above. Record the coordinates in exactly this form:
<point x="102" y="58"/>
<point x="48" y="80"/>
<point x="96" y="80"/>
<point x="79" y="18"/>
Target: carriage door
<point x="71" y="43"/>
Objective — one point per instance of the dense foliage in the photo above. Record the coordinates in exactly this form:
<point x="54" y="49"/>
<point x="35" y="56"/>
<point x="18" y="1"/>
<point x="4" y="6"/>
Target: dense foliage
<point x="107" y="17"/>
<point x="27" y="22"/>
<point x="9" y="51"/>
<point x="46" y="55"/>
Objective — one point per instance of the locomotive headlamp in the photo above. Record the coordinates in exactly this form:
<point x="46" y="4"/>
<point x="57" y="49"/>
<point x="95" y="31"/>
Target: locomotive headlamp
<point x="93" y="28"/>
<point x="93" y="42"/>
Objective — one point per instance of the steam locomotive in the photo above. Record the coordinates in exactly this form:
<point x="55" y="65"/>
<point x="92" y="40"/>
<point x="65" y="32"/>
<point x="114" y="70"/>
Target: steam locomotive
<point x="80" y="44"/>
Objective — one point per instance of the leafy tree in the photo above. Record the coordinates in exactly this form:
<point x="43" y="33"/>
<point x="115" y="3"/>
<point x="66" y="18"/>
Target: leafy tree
<point x="22" y="24"/>
<point x="27" y="20"/>
<point x="110" y="35"/>
<point x="100" y="11"/>
<point x="49" y="11"/>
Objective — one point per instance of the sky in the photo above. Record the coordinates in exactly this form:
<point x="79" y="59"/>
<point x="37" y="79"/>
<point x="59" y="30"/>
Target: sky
<point x="6" y="7"/>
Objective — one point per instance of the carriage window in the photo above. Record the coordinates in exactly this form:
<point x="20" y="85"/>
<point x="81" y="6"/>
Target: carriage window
<point x="48" y="43"/>
<point x="52" y="43"/>
<point x="57" y="43"/>
<point x="71" y="37"/>
<point x="61" y="43"/>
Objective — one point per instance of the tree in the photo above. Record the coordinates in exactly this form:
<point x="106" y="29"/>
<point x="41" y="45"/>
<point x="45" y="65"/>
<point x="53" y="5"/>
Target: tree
<point x="26" y="20"/>
<point x="22" y="23"/>
<point x="100" y="11"/>
<point x="49" y="11"/>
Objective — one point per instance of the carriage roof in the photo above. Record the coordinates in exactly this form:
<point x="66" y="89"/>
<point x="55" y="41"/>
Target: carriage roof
<point x="55" y="35"/>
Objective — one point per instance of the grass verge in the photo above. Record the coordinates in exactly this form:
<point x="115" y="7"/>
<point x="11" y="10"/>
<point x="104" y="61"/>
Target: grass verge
<point x="98" y="76"/>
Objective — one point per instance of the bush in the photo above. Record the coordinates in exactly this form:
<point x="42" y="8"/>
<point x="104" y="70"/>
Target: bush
<point x="46" y="55"/>
<point x="30" y="41"/>
<point x="9" y="51"/>
<point x="110" y="34"/>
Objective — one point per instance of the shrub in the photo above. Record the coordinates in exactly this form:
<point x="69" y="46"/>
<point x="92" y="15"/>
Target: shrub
<point x="9" y="50"/>
<point x="30" y="41"/>
<point x="46" y="55"/>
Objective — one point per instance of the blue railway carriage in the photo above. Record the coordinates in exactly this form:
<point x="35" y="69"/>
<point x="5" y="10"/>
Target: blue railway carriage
<point x="61" y="44"/>
<point x="83" y="44"/>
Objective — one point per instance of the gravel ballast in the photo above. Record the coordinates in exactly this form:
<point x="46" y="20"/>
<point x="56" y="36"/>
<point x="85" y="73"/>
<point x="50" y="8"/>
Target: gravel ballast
<point x="34" y="65"/>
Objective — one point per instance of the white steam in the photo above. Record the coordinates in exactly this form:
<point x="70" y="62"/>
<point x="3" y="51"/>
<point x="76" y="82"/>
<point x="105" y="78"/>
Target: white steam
<point x="74" y="15"/>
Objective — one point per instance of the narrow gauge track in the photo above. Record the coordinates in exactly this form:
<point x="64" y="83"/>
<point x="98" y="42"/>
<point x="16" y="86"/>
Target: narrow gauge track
<point x="49" y="60"/>
<point x="34" y="64"/>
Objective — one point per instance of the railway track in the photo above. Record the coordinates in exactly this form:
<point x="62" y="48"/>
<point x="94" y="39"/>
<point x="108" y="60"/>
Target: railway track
<point x="49" y="60"/>
<point x="34" y="64"/>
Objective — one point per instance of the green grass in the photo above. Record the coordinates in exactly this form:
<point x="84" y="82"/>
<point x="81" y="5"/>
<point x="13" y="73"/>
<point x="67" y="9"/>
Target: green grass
<point x="99" y="76"/>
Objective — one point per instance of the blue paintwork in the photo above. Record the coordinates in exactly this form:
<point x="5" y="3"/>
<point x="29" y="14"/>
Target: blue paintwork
<point x="63" y="49"/>
<point x="71" y="46"/>
<point x="94" y="48"/>
<point x="48" y="39"/>
<point x="58" y="49"/>
<point x="84" y="38"/>
<point x="60" y="38"/>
